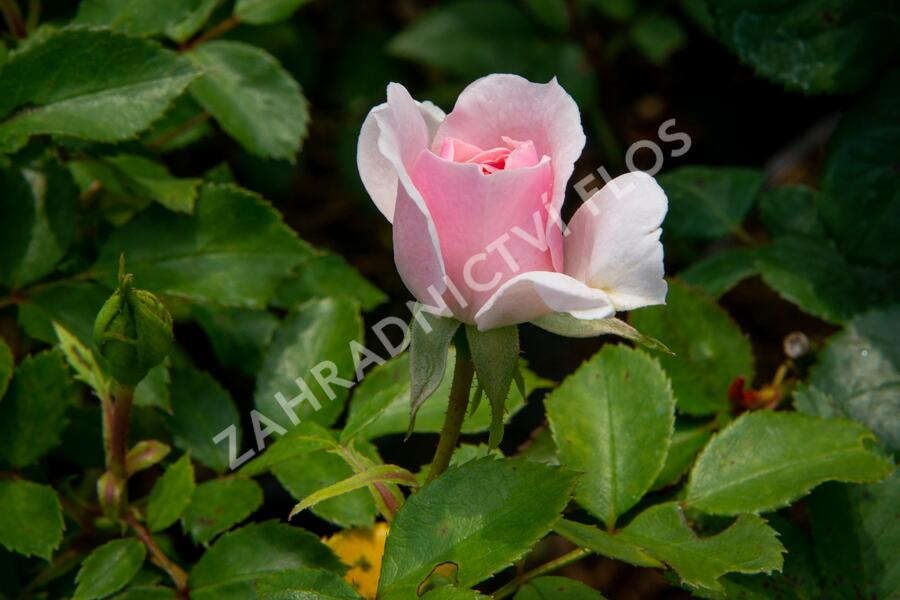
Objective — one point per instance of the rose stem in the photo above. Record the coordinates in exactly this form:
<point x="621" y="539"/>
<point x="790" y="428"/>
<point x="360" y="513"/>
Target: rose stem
<point x="118" y="436"/>
<point x="159" y="557"/>
<point x="456" y="410"/>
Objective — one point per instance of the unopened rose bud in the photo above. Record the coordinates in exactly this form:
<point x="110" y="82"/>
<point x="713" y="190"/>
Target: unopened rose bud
<point x="144" y="455"/>
<point x="133" y="332"/>
<point x="111" y="491"/>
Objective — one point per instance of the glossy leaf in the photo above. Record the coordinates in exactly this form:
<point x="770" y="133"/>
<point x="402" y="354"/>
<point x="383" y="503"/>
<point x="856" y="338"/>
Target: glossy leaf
<point x="481" y="516"/>
<point x="33" y="412"/>
<point x="171" y="494"/>
<point x="252" y="97"/>
<point x="327" y="275"/>
<point x="612" y="421"/>
<point x="109" y="568"/>
<point x="31" y="520"/>
<point x="791" y="209"/>
<point x="305" y="584"/>
<point x="88" y="96"/>
<point x="709" y="348"/>
<point x="765" y="460"/>
<point x="233" y="251"/>
<point x="135" y="17"/>
<point x="219" y="504"/>
<point x="239" y="336"/>
<point x="371" y="476"/>
<point x="558" y="588"/>
<point x="312" y="345"/>
<point x="263" y="12"/>
<point x="181" y="30"/>
<point x="605" y="543"/>
<point x="687" y="440"/>
<point x="74" y="305"/>
<point x="722" y="271"/>
<point x="299" y="441"/>
<point x="154" y="390"/>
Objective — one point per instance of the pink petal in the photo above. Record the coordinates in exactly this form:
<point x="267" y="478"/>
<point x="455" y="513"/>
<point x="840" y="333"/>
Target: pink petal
<point x="532" y="295"/>
<point x="613" y="241"/>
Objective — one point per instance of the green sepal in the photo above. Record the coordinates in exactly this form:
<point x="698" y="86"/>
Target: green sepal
<point x="495" y="354"/>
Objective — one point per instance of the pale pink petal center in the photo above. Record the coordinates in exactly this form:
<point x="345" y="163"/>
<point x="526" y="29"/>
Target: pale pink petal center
<point x="514" y="154"/>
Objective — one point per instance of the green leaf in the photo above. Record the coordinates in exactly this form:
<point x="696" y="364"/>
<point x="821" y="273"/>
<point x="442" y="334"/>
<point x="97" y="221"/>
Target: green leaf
<point x="709" y="348"/>
<point x="558" y="588"/>
<point x="722" y="271"/>
<point x="263" y="12"/>
<point x="154" y="388"/>
<point x="764" y="460"/>
<point x="566" y="325"/>
<point x="33" y="412"/>
<point x="749" y="545"/>
<point x="327" y="275"/>
<point x="82" y="360"/>
<point x="605" y="544"/>
<point x="31" y="520"/>
<point x="312" y="346"/>
<point x="481" y="516"/>
<point x="858" y="376"/>
<point x="109" y="568"/>
<point x="241" y="557"/>
<point x="687" y="441"/>
<point x="657" y="37"/>
<point x="140" y="177"/>
<point x="382" y="387"/>
<point x="708" y="202"/>
<point x="201" y="409"/>
<point x="495" y="354"/>
<point x="612" y="421"/>
<point x="320" y="469"/>
<point x="252" y="97"/>
<point x="429" y="341"/>
<point x="812" y="46"/>
<point x="370" y="476"/>
<point x="856" y="534"/>
<point x="860" y="178"/>
<point x="84" y="92"/>
<point x="305" y="584"/>
<point x="553" y="14"/>
<point x="147" y="592"/>
<point x="306" y="438"/>
<point x="74" y="305"/>
<point x="181" y="31"/>
<point x="7" y="366"/>
<point x="182" y="125"/>
<point x="791" y="209"/>
<point x="135" y="17"/>
<point x="448" y="592"/>
<point x="233" y="251"/>
<point x="171" y="494"/>
<point x="219" y="504"/>
<point x="239" y="336"/>
<point x="40" y="206"/>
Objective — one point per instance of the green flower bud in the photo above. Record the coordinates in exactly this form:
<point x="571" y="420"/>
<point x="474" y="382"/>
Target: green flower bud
<point x="133" y="332"/>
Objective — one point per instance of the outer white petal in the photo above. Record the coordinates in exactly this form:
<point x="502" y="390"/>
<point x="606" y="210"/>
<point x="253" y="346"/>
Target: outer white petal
<point x="613" y="241"/>
<point x="377" y="173"/>
<point x="536" y="293"/>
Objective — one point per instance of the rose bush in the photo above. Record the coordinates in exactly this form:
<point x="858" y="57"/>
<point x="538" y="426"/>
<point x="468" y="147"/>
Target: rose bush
<point x="475" y="199"/>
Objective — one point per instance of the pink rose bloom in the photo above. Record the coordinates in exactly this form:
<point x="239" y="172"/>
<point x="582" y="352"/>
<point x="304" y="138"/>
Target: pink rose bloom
<point x="475" y="197"/>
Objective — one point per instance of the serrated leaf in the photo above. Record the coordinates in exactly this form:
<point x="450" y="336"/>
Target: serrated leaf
<point x="252" y="97"/>
<point x="264" y="12"/>
<point x="709" y="348"/>
<point x="154" y="389"/>
<point x="320" y="469"/>
<point x="7" y="366"/>
<point x="33" y="412"/>
<point x="813" y="46"/>
<point x="749" y="545"/>
<point x="305" y="584"/>
<point x="722" y="271"/>
<point x="135" y="17"/>
<point x="171" y="494"/>
<point x="612" y="421"/>
<point x="861" y="203"/>
<point x="109" y="568"/>
<point x="31" y="520"/>
<point x="201" y="409"/>
<point x="495" y="354"/>
<point x="191" y="23"/>
<point x="239" y="336"/>
<point x="219" y="504"/>
<point x="313" y="339"/>
<point x="764" y="460"/>
<point x="708" y="202"/>
<point x="327" y="275"/>
<point x="858" y="376"/>
<point x="85" y="93"/>
<point x="429" y="341"/>
<point x="558" y="588"/>
<point x="449" y="592"/>
<point x="566" y="325"/>
<point x="233" y="251"/>
<point x="147" y="592"/>
<point x="856" y="534"/>
<point x="377" y="474"/>
<point x="74" y="305"/>
<point x="481" y="516"/>
<point x="687" y="440"/>
<point x="791" y="209"/>
<point x="306" y="438"/>
<point x="82" y="360"/>
<point x="605" y="543"/>
<point x="230" y="568"/>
